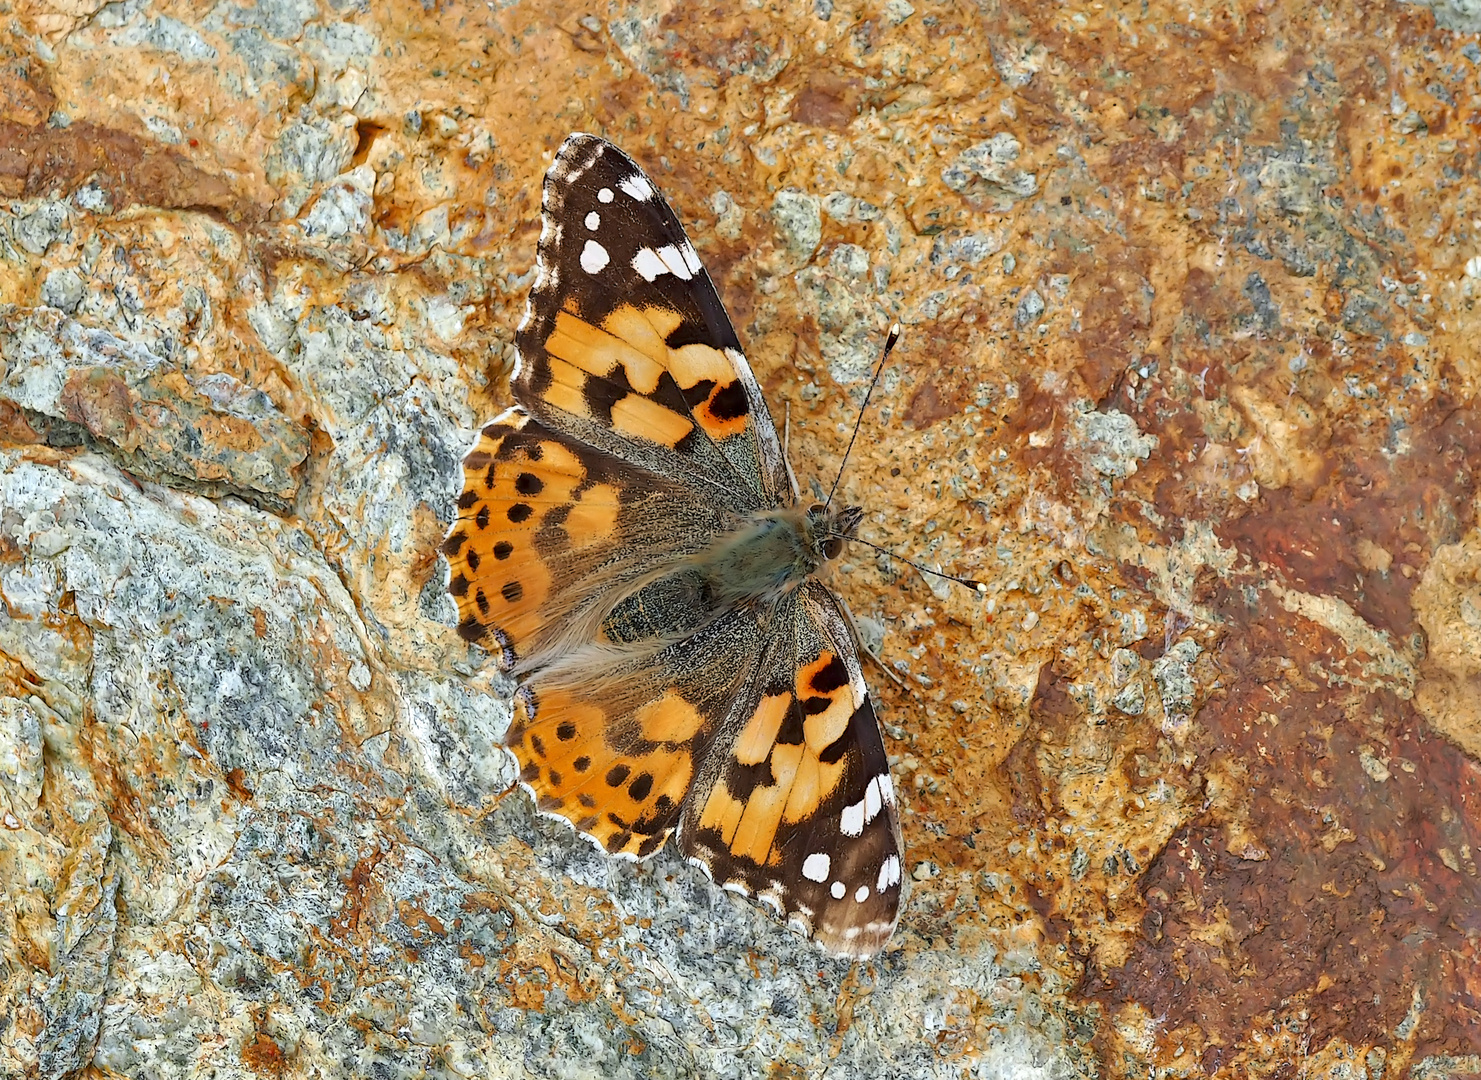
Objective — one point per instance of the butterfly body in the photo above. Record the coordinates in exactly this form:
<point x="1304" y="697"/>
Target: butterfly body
<point x="630" y="544"/>
<point x="772" y="553"/>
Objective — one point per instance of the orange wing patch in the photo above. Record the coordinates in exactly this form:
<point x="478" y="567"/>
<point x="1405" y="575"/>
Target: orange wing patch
<point x="630" y="353"/>
<point x="787" y="761"/>
<point x="619" y="780"/>
<point x="516" y="488"/>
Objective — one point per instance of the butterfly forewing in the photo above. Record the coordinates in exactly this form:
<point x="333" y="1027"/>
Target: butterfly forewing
<point x="626" y="343"/>
<point x="655" y="693"/>
<point x="548" y="528"/>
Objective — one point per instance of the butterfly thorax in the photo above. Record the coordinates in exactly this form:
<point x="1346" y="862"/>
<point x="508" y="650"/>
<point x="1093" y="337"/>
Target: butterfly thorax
<point x="774" y="551"/>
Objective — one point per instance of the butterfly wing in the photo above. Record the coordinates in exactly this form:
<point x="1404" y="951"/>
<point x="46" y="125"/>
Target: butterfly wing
<point x="626" y="346"/>
<point x="612" y="742"/>
<point x="796" y="807"/>
<point x="552" y="533"/>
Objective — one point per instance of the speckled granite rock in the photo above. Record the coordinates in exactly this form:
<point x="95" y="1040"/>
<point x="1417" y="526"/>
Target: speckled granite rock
<point x="1190" y="379"/>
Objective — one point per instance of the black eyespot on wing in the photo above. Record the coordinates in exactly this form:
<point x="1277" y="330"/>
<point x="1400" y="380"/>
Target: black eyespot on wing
<point x="830" y="677"/>
<point x="730" y="403"/>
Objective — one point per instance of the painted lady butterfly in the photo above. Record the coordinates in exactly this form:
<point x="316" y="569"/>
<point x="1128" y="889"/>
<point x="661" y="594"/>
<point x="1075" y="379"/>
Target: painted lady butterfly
<point x="631" y="543"/>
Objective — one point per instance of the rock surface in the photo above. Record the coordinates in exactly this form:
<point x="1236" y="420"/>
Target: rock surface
<point x="1190" y="378"/>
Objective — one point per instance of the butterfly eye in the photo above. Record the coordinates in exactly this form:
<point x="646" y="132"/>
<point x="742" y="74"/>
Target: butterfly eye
<point x="816" y="510"/>
<point x="832" y="547"/>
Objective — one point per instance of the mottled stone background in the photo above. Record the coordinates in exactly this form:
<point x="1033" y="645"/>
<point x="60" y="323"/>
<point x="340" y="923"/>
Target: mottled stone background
<point x="1190" y="379"/>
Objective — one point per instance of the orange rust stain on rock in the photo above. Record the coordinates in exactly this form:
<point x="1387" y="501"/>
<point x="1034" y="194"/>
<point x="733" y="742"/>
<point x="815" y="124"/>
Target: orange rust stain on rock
<point x="236" y="783"/>
<point x="1363" y="885"/>
<point x="420" y="922"/>
<point x="932" y="402"/>
<point x="358" y="889"/>
<point x="264" y="1056"/>
<point x="475" y="959"/>
<point x="14" y="427"/>
<point x="39" y="160"/>
<point x="100" y="401"/>
<point x="828" y="101"/>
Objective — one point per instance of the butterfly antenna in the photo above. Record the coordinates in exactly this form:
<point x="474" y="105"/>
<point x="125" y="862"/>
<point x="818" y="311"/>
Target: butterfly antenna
<point x="889" y="343"/>
<point x="971" y="583"/>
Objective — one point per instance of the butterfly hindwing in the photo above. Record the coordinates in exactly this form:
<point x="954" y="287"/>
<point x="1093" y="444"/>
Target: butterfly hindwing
<point x="613" y="744"/>
<point x="799" y="811"/>
<point x="626" y="344"/>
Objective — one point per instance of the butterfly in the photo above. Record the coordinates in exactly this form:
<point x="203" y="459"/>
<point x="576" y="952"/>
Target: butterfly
<point x="632" y="546"/>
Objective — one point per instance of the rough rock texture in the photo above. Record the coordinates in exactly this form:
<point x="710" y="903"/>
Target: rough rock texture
<point x="1190" y="379"/>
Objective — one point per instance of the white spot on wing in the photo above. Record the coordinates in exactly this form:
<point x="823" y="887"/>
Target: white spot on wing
<point x="691" y="257"/>
<point x="887" y="789"/>
<point x="648" y="265"/>
<point x="594" y="257"/>
<point x="889" y="873"/>
<point x="815" y="867"/>
<point x="593" y="221"/>
<point x="851" y="821"/>
<point x="861" y="894"/>
<point x="638" y="187"/>
<point x="675" y="262"/>
<point x="872" y="800"/>
<point x="838" y="889"/>
<point x="605" y="195"/>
